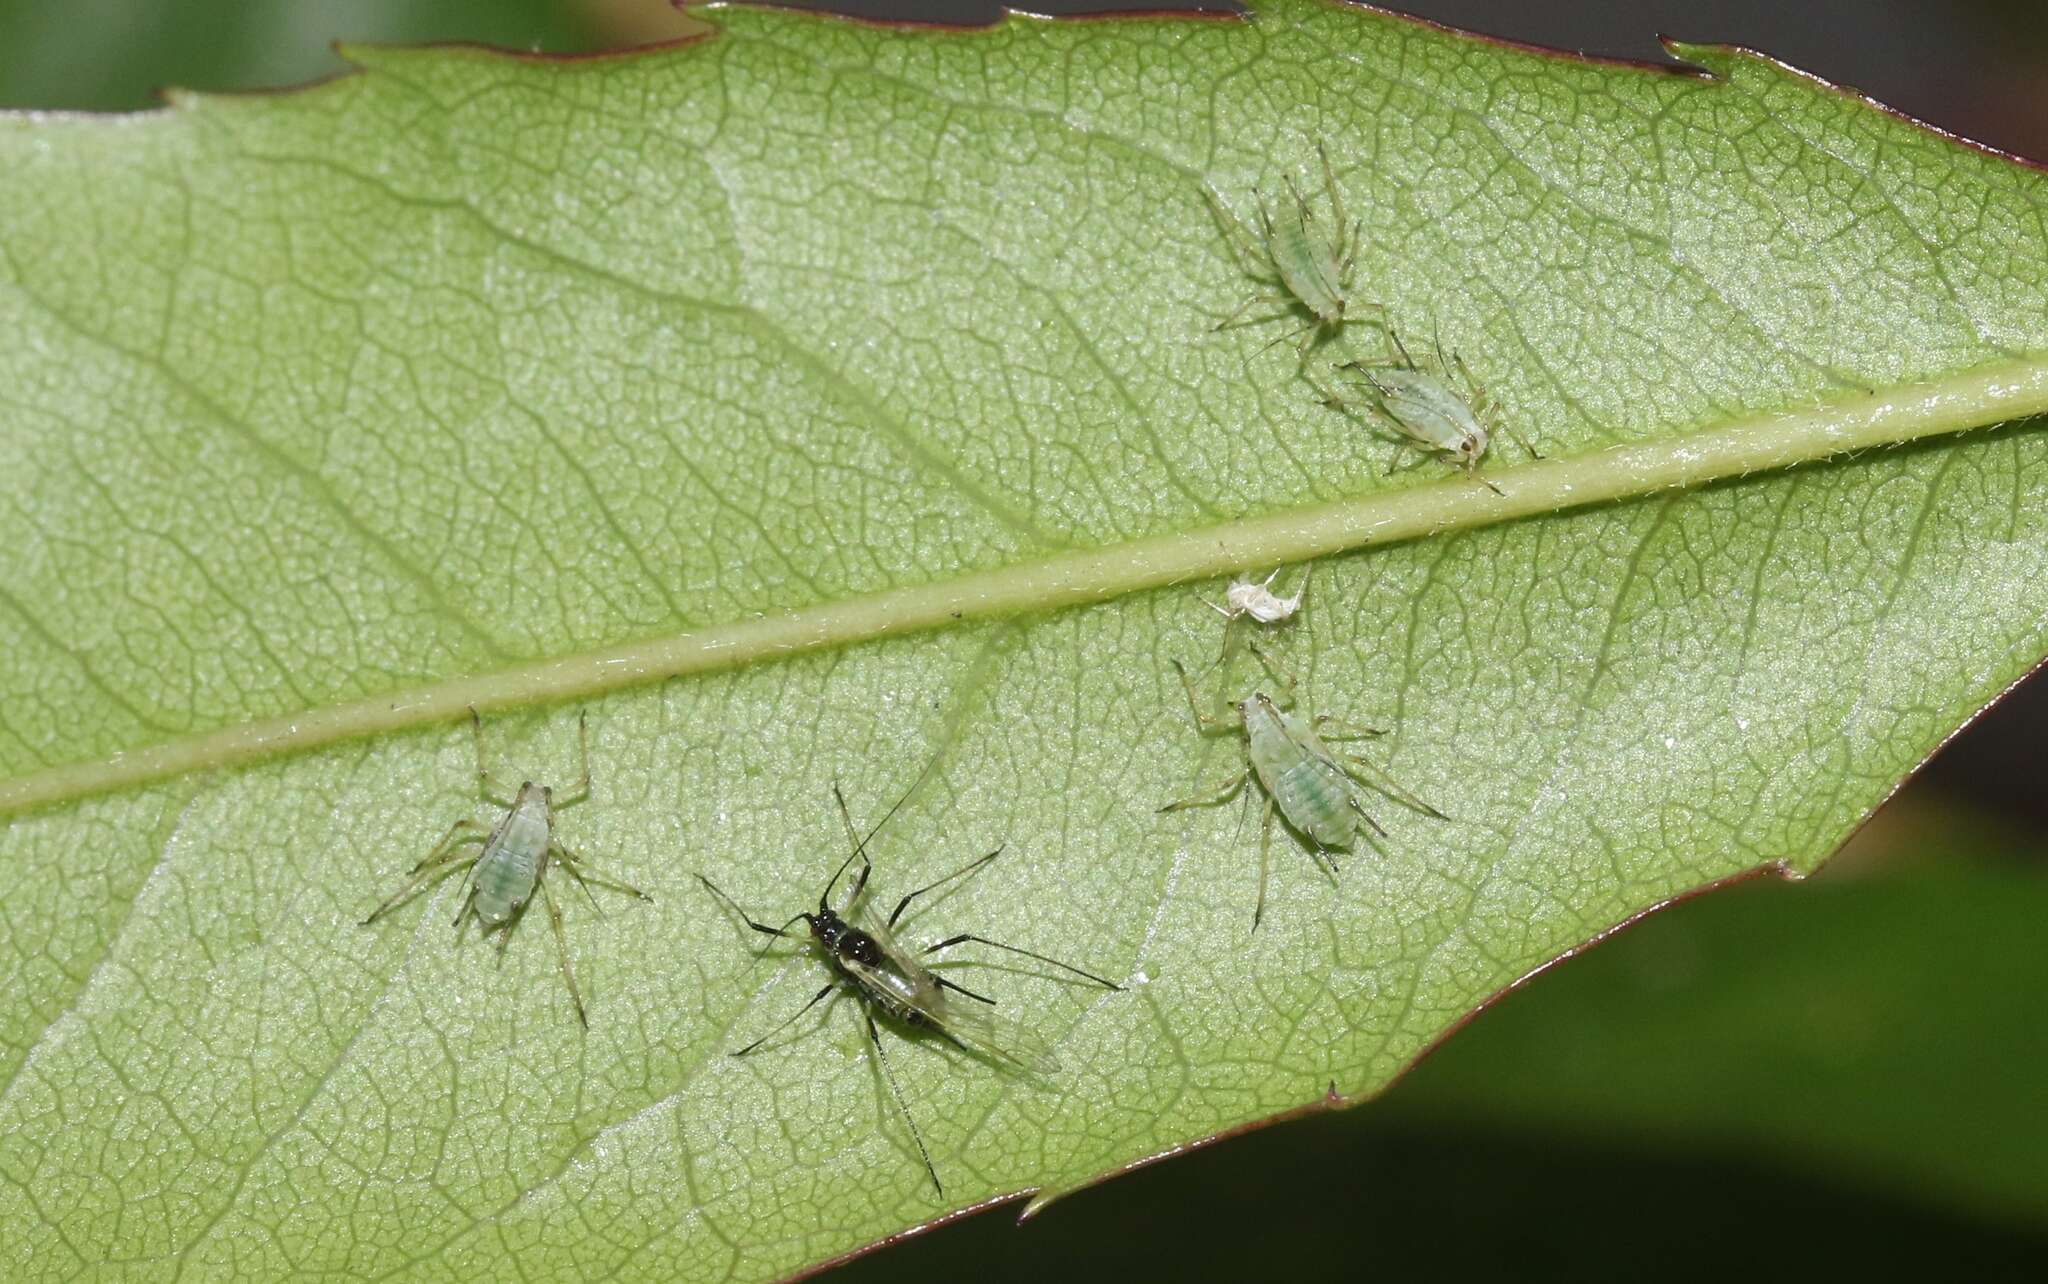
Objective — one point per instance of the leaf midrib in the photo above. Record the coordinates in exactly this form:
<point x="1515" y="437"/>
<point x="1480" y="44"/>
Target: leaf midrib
<point x="1974" y="398"/>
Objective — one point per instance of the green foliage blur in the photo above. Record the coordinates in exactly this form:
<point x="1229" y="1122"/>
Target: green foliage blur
<point x="1841" y="1076"/>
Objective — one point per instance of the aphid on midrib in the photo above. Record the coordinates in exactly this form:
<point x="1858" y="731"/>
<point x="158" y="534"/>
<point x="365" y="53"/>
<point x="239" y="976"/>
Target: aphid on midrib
<point x="868" y="961"/>
<point x="514" y="859"/>
<point x="1427" y="412"/>
<point x="1304" y="781"/>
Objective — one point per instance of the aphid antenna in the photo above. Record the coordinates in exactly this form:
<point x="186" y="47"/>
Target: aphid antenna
<point x="1206" y="724"/>
<point x="1273" y="667"/>
<point x="485" y="782"/>
<point x="749" y="919"/>
<point x="860" y="845"/>
<point x="972" y="867"/>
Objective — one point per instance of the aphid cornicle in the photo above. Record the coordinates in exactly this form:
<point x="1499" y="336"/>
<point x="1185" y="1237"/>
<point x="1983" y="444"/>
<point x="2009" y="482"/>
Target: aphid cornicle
<point x="1423" y="407"/>
<point x="1308" y="267"/>
<point x="869" y="962"/>
<point x="513" y="860"/>
<point x="1304" y="781"/>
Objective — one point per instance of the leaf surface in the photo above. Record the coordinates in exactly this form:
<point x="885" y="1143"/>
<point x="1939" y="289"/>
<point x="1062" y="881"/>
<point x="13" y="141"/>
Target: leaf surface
<point x="862" y="384"/>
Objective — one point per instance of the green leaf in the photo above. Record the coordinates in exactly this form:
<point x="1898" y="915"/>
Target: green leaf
<point x="863" y="385"/>
<point x="1874" y="1032"/>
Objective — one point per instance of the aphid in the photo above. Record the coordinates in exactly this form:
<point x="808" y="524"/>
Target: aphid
<point x="868" y="962"/>
<point x="1305" y="782"/>
<point x="1424" y="408"/>
<point x="514" y="859"/>
<point x="1257" y="599"/>
<point x="1305" y="265"/>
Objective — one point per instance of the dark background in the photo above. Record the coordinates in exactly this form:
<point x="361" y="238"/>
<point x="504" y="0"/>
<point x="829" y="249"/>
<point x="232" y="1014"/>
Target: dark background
<point x="1845" y="1077"/>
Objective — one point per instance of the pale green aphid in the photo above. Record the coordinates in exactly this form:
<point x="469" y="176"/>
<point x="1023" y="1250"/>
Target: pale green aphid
<point x="1307" y="265"/>
<point x="1421" y="405"/>
<point x="513" y="860"/>
<point x="1304" y="780"/>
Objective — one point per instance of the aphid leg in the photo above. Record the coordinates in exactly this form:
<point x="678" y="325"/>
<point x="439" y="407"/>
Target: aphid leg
<point x="1265" y="863"/>
<point x="1216" y="798"/>
<point x="1283" y="301"/>
<point x="1366" y="772"/>
<point x="467" y="901"/>
<point x="581" y="869"/>
<point x="562" y="953"/>
<point x="490" y="788"/>
<point x="1211" y="799"/>
<point x="830" y="988"/>
<point x="746" y="918"/>
<point x="1403" y="461"/>
<point x="957" y="988"/>
<point x="1229" y="636"/>
<point x="889" y="1076"/>
<point x="951" y="941"/>
<point x="1311" y="334"/>
<point x="1205" y="724"/>
<point x="471" y="831"/>
<point x="1520" y="440"/>
<point x="582" y="789"/>
<point x="436" y="864"/>
<point x="506" y="928"/>
<point x="1331" y="727"/>
<point x="972" y="867"/>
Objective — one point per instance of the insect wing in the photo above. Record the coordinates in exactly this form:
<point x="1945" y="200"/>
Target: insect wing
<point x="979" y="1027"/>
<point x="909" y="983"/>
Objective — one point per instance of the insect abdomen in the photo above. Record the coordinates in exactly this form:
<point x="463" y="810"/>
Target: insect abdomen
<point x="504" y="879"/>
<point x="1316" y="799"/>
<point x="1301" y="266"/>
